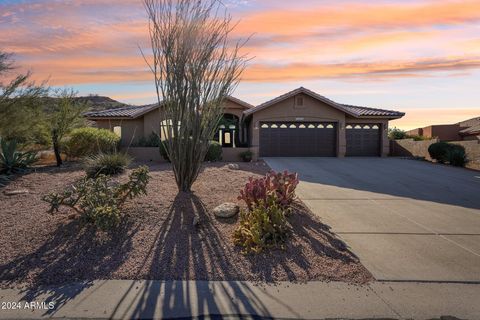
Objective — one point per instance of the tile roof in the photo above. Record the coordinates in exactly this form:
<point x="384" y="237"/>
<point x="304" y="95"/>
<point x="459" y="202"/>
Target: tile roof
<point x="355" y="111"/>
<point x="130" y="112"/>
<point x="471" y="130"/>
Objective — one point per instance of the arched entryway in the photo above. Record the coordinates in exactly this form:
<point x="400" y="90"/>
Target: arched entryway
<point x="228" y="131"/>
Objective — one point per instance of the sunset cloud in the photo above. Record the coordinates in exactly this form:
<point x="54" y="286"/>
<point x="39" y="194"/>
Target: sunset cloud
<point x="94" y="43"/>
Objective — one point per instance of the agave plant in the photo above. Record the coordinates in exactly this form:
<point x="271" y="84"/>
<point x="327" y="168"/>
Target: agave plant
<point x="13" y="161"/>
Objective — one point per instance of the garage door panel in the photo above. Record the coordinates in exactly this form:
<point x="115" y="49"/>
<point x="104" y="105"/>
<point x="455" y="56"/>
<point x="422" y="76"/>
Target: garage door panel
<point x="298" y="139"/>
<point x="363" y="140"/>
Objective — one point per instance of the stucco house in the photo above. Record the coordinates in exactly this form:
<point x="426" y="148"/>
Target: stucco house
<point x="464" y="130"/>
<point x="296" y="124"/>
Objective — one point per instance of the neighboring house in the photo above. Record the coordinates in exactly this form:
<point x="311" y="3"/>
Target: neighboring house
<point x="298" y="123"/>
<point x="465" y="130"/>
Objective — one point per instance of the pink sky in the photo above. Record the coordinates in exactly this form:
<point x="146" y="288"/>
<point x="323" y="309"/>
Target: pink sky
<point x="420" y="57"/>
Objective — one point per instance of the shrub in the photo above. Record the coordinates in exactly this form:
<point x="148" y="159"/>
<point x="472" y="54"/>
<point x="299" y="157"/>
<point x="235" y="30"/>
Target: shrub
<point x="439" y="151"/>
<point x="13" y="161"/>
<point x="396" y="134"/>
<point x="456" y="155"/>
<point x="98" y="200"/>
<point x="282" y="185"/>
<point x="214" y="152"/>
<point x="153" y="140"/>
<point x="265" y="226"/>
<point x="89" y="141"/>
<point x="246" y="156"/>
<point x="107" y="164"/>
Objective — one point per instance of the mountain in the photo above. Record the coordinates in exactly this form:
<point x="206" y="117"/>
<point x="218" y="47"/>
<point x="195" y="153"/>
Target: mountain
<point x="99" y="103"/>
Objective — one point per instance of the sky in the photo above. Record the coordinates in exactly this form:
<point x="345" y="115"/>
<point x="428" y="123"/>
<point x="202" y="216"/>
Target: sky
<point x="419" y="57"/>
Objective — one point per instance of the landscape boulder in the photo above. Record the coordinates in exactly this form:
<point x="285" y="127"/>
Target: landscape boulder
<point x="226" y="210"/>
<point x="233" y="166"/>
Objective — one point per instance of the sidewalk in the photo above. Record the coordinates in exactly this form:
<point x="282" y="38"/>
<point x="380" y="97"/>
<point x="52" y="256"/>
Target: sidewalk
<point x="120" y="299"/>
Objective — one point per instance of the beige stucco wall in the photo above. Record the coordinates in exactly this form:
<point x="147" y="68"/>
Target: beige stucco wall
<point x="312" y="110"/>
<point x="132" y="130"/>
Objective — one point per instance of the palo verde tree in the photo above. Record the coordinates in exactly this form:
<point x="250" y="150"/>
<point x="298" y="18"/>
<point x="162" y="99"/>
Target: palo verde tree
<point x="195" y="66"/>
<point x="21" y="114"/>
<point x="65" y="115"/>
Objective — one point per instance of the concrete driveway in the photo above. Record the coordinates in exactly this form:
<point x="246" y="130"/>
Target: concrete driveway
<point x="406" y="220"/>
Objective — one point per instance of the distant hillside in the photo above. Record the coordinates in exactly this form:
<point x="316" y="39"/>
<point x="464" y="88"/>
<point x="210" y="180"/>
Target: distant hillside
<point x="97" y="103"/>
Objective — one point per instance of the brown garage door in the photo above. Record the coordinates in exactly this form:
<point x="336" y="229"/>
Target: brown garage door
<point x="298" y="139"/>
<point x="363" y="140"/>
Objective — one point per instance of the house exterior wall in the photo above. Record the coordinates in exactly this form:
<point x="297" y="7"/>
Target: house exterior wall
<point x="132" y="130"/>
<point x="287" y="110"/>
<point x="444" y="132"/>
<point x="151" y="123"/>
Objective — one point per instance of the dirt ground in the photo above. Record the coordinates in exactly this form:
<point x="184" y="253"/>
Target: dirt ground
<point x="157" y="239"/>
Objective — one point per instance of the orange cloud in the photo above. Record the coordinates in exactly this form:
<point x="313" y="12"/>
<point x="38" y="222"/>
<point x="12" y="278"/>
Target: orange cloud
<point x="354" y="15"/>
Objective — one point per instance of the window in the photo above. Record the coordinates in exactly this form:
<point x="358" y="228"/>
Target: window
<point x="375" y="127"/>
<point x="264" y="126"/>
<point x="321" y="126"/>
<point x="366" y="127"/>
<point x="283" y="126"/>
<point x="311" y="126"/>
<point x="349" y="127"/>
<point x="302" y="126"/>
<point x="292" y="126"/>
<point x="330" y="126"/>
<point x="118" y="131"/>
<point x="227" y="138"/>
<point x="358" y="126"/>
<point x="274" y="126"/>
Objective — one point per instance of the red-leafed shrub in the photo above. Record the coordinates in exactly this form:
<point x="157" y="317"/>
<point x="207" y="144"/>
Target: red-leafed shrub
<point x="282" y="185"/>
<point x="253" y="192"/>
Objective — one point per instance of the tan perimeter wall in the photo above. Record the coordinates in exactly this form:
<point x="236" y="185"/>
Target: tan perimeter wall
<point x="411" y="148"/>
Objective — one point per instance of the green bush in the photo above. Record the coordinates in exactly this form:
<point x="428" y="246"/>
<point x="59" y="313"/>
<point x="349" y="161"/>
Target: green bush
<point x="397" y="134"/>
<point x="439" y="151"/>
<point x="214" y="152"/>
<point x="263" y="227"/>
<point x="456" y="155"/>
<point x="12" y="160"/>
<point x="106" y="164"/>
<point x="246" y="156"/>
<point x="98" y="200"/>
<point x="153" y="140"/>
<point x="88" y="141"/>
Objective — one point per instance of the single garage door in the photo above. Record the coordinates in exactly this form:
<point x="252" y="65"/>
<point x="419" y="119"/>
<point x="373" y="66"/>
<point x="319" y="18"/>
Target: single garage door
<point x="363" y="140"/>
<point x="298" y="139"/>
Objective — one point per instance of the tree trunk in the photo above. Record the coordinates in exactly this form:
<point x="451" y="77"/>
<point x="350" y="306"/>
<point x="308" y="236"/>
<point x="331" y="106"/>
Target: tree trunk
<point x="56" y="148"/>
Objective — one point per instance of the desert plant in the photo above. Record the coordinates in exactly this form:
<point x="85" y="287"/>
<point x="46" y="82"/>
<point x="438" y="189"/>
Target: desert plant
<point x="214" y="152"/>
<point x="281" y="184"/>
<point x="98" y="200"/>
<point x="264" y="226"/>
<point x="153" y="140"/>
<point x="246" y="156"/>
<point x="66" y="114"/>
<point x="12" y="160"/>
<point x="106" y="164"/>
<point x="284" y="185"/>
<point x="195" y="66"/>
<point x="439" y="151"/>
<point x="89" y="141"/>
<point x="254" y="192"/>
<point x="456" y="155"/>
<point x="397" y="134"/>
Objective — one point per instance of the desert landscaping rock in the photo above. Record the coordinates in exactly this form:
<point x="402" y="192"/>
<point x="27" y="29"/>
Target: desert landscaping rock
<point x="233" y="166"/>
<point x="226" y="210"/>
<point x="15" y="192"/>
<point x="157" y="239"/>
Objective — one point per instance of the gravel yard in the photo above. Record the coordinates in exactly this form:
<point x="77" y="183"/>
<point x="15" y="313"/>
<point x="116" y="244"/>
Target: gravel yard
<point x="158" y="239"/>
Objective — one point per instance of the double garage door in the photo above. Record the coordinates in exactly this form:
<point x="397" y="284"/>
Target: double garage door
<point x="316" y="139"/>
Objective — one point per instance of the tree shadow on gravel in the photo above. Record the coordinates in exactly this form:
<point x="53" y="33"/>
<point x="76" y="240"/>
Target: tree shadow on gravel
<point x="68" y="262"/>
<point x="185" y="251"/>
